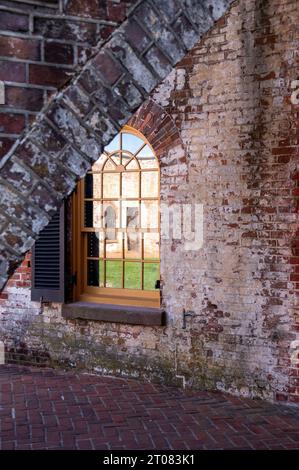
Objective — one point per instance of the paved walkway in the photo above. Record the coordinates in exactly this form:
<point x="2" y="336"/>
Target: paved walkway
<point x="47" y="409"/>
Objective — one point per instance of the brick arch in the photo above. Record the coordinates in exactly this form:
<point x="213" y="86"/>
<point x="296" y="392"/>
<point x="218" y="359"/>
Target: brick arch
<point x="158" y="127"/>
<point x="42" y="168"/>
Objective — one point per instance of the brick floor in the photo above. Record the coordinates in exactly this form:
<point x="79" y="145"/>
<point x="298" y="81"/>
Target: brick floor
<point x="49" y="409"/>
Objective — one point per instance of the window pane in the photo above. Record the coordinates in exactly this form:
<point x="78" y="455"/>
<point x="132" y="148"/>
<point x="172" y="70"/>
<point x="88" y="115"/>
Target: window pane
<point x="94" y="245"/>
<point x="146" y="158"/>
<point x="116" y="158"/>
<point x="93" y="273"/>
<point x="149" y="184"/>
<point x="132" y="165"/>
<point x="149" y="214"/>
<point x="88" y="186"/>
<point x="114" y="274"/>
<point x="114" y="145"/>
<point x="109" y="165"/>
<point x="114" y="249"/>
<point x="131" y="142"/>
<point x="151" y="274"/>
<point x="98" y="165"/>
<point x="111" y="183"/>
<point x="132" y="275"/>
<point x="151" y="246"/>
<point x="93" y="214"/>
<point x="111" y="215"/>
<point x="93" y="184"/>
<point x="133" y="245"/>
<point x="130" y="185"/>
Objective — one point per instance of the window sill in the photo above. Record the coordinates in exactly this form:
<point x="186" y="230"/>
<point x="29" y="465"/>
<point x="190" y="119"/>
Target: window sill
<point x="114" y="313"/>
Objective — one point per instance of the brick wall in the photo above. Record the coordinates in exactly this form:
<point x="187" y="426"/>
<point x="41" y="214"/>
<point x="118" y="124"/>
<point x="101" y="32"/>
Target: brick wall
<point x="226" y="134"/>
<point x="41" y="46"/>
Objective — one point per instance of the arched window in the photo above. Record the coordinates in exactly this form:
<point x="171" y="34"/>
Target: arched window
<point x="118" y="239"/>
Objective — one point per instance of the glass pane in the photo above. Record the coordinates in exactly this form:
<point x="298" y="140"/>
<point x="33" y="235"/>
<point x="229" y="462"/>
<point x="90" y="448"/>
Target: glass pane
<point x="149" y="184"/>
<point x="151" y="274"/>
<point x="146" y="158"/>
<point x="114" y="271"/>
<point x="132" y="275"/>
<point x="93" y="214"/>
<point x="131" y="142"/>
<point x="130" y="185"/>
<point x="114" y="248"/>
<point x="111" y="214"/>
<point x="133" y="246"/>
<point x="88" y="186"/>
<point x="111" y="184"/>
<point x="97" y="166"/>
<point x="151" y="246"/>
<point x="149" y="214"/>
<point x="116" y="158"/>
<point x="93" y="273"/>
<point x="95" y="245"/>
<point x="131" y="165"/>
<point x="109" y="165"/>
<point x="114" y="145"/>
<point x="93" y="186"/>
<point x="132" y="217"/>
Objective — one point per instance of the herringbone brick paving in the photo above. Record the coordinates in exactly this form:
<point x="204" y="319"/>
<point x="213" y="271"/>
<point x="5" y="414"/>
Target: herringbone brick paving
<point x="50" y="409"/>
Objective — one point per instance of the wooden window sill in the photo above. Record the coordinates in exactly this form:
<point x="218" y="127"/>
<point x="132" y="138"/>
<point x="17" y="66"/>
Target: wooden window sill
<point x="114" y="313"/>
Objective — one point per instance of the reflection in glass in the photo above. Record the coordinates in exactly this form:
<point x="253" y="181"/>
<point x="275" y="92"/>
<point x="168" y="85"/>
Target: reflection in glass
<point x="114" y="272"/>
<point x="114" y="249"/>
<point x="93" y="185"/>
<point x="114" y="145"/>
<point x="131" y="142"/>
<point x="111" y="182"/>
<point x="132" y="275"/>
<point x="151" y="275"/>
<point x="93" y="214"/>
<point x="149" y="215"/>
<point x="130" y="185"/>
<point x="133" y="246"/>
<point x="149" y="184"/>
<point x="98" y="165"/>
<point x="151" y="246"/>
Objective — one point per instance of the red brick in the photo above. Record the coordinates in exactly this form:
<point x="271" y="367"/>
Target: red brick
<point x="116" y="11"/>
<point x="24" y="98"/>
<point x="19" y="48"/>
<point x="108" y="68"/>
<point x="12" y="71"/>
<point x="45" y="75"/>
<point x="11" y="123"/>
<point x="14" y="21"/>
<point x="59" y="53"/>
<point x="5" y="145"/>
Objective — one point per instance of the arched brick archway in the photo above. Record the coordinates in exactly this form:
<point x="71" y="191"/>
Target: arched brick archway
<point x="158" y="127"/>
<point x="42" y="167"/>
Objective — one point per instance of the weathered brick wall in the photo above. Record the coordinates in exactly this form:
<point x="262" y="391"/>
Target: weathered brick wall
<point x="226" y="134"/>
<point x="71" y="131"/>
<point x="41" y="46"/>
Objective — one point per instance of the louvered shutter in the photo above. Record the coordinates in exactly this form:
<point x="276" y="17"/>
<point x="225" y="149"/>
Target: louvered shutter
<point x="48" y="261"/>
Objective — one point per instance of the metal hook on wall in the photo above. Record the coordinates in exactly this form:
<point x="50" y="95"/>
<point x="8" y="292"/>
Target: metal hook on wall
<point x="187" y="314"/>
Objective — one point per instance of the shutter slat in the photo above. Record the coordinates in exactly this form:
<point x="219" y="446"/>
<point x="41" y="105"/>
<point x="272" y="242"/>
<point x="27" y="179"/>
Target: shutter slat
<point x="48" y="264"/>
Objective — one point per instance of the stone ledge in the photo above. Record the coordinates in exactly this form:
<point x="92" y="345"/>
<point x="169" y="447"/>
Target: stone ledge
<point x="114" y="313"/>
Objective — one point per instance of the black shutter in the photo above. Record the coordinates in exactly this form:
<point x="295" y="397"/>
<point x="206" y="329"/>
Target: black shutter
<point x="48" y="261"/>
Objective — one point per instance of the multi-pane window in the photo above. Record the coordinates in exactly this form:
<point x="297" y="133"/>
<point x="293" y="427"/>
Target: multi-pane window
<point x="119" y="227"/>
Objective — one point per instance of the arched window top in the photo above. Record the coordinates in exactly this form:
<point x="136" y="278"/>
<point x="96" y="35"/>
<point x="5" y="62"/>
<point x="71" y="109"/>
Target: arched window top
<point x="129" y="150"/>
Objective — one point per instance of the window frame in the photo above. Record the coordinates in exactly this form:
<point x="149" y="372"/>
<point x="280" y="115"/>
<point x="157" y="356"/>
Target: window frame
<point x="107" y="295"/>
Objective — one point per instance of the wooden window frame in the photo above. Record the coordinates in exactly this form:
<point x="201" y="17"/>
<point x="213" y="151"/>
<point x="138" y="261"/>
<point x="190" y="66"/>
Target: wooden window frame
<point x="106" y="295"/>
